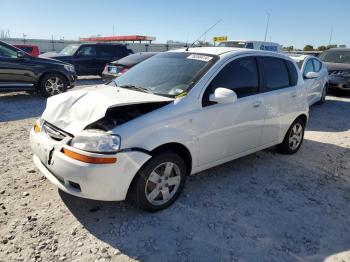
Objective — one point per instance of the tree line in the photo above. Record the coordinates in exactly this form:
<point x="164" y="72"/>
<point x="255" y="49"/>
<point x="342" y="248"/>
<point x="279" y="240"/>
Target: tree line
<point x="310" y="48"/>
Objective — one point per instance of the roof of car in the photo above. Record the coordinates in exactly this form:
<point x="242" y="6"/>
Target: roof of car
<point x="212" y="50"/>
<point x="339" y="49"/>
<point x="297" y="57"/>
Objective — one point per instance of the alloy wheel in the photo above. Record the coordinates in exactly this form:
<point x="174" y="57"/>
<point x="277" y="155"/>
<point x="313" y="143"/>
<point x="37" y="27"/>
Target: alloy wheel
<point x="295" y="136"/>
<point x="54" y="85"/>
<point x="163" y="183"/>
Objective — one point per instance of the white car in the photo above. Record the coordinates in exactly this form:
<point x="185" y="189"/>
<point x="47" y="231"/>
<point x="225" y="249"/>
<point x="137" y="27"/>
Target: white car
<point x="173" y="115"/>
<point x="315" y="75"/>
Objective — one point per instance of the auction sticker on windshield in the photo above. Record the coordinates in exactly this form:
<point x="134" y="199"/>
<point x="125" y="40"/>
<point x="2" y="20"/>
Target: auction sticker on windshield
<point x="200" y="57"/>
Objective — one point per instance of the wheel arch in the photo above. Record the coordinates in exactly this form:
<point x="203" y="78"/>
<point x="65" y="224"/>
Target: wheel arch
<point x="303" y="117"/>
<point x="38" y="83"/>
<point x="176" y="147"/>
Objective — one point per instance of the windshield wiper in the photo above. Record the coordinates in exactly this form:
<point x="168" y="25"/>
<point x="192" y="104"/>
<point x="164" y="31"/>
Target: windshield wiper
<point x="138" y="88"/>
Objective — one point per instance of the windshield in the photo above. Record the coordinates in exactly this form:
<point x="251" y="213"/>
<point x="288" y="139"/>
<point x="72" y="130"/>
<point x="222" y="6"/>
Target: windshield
<point x="69" y="50"/>
<point x="236" y="44"/>
<point x="168" y="74"/>
<point x="336" y="57"/>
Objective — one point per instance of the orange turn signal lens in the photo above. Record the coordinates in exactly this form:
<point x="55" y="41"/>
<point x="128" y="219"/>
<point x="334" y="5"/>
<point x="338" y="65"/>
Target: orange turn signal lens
<point x="37" y="128"/>
<point x="89" y="159"/>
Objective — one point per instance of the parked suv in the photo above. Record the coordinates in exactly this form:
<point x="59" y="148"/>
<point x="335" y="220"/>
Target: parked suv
<point x="22" y="72"/>
<point x="173" y="115"/>
<point x="90" y="59"/>
<point x="337" y="61"/>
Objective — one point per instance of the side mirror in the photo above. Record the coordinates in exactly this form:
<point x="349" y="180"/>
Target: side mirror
<point x="20" y="55"/>
<point x="311" y="75"/>
<point x="223" y="95"/>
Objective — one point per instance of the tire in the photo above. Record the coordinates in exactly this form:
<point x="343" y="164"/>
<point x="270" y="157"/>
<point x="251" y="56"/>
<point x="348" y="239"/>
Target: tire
<point x="152" y="182"/>
<point x="323" y="96"/>
<point x="293" y="138"/>
<point x="53" y="84"/>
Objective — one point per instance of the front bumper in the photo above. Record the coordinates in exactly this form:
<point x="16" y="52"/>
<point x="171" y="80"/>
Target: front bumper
<point x="72" y="78"/>
<point x="339" y="83"/>
<point x="109" y="182"/>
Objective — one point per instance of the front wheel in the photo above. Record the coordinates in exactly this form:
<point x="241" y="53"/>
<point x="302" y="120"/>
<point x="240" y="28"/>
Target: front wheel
<point x="323" y="96"/>
<point x="293" y="138"/>
<point x="53" y="84"/>
<point x="159" y="183"/>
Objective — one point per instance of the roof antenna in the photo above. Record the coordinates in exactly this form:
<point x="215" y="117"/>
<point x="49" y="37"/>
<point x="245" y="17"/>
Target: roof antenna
<point x="204" y="34"/>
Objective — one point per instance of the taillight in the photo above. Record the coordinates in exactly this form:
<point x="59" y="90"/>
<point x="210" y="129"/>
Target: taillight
<point x="123" y="71"/>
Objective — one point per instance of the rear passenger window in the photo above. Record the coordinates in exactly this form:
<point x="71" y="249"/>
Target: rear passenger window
<point x="275" y="72"/>
<point x="317" y="65"/>
<point x="293" y="73"/>
<point x="106" y="51"/>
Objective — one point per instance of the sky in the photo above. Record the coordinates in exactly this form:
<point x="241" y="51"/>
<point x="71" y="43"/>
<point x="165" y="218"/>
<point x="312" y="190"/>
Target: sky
<point x="294" y="22"/>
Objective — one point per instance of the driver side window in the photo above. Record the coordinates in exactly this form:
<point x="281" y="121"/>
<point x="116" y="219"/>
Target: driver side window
<point x="308" y="67"/>
<point x="240" y="75"/>
<point x="86" y="51"/>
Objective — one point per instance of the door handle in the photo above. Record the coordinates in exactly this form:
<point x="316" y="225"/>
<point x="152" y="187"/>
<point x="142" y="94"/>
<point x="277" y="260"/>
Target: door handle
<point x="256" y="103"/>
<point x="294" y="95"/>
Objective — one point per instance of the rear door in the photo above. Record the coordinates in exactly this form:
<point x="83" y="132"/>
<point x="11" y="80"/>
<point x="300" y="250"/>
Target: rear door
<point x="84" y="60"/>
<point x="15" y="72"/>
<point x="233" y="128"/>
<point x="105" y="55"/>
<point x="279" y="94"/>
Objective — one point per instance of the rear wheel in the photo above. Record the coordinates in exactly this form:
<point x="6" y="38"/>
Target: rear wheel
<point x="53" y="84"/>
<point x="293" y="138"/>
<point x="159" y="183"/>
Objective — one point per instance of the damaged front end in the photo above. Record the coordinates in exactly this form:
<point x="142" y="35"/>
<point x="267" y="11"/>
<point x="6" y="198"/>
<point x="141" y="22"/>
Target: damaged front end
<point x="116" y="116"/>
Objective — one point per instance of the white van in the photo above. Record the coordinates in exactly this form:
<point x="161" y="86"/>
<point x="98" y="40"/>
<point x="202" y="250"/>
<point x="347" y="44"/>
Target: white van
<point x="258" y="45"/>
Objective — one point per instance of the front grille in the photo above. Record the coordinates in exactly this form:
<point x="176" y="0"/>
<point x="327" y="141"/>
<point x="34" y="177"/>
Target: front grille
<point x="335" y="72"/>
<point x="54" y="132"/>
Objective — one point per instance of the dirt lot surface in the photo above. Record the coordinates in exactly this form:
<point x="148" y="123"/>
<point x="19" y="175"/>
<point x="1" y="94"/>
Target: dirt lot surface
<point x="263" y="207"/>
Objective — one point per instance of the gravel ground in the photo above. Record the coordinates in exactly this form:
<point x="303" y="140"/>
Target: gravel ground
<point x="263" y="207"/>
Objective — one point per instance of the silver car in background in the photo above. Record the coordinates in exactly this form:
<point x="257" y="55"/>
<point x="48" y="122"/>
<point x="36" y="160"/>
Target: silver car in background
<point x="315" y="75"/>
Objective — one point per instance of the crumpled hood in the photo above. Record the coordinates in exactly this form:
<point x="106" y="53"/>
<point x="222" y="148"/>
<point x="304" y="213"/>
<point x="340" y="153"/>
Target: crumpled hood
<point x="73" y="111"/>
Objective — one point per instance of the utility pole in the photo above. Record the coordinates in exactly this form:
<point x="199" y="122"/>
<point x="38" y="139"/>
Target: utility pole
<point x="113" y="30"/>
<point x="24" y="38"/>
<point x="267" y="25"/>
<point x="330" y="36"/>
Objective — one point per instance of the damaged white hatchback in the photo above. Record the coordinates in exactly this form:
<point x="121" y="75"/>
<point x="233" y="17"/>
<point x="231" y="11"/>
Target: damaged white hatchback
<point x="173" y="115"/>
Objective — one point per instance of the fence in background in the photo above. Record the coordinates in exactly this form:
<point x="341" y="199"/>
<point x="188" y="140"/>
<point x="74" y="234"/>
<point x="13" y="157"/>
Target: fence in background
<point x="46" y="45"/>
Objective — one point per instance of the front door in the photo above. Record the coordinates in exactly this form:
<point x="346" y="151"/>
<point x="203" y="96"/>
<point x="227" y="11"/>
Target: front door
<point x="84" y="60"/>
<point x="232" y="128"/>
<point x="14" y="71"/>
<point x="310" y="84"/>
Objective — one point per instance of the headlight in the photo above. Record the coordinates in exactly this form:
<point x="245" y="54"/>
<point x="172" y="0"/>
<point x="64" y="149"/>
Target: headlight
<point x="38" y="125"/>
<point x="96" y="141"/>
<point x="69" y="68"/>
<point x="345" y="73"/>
